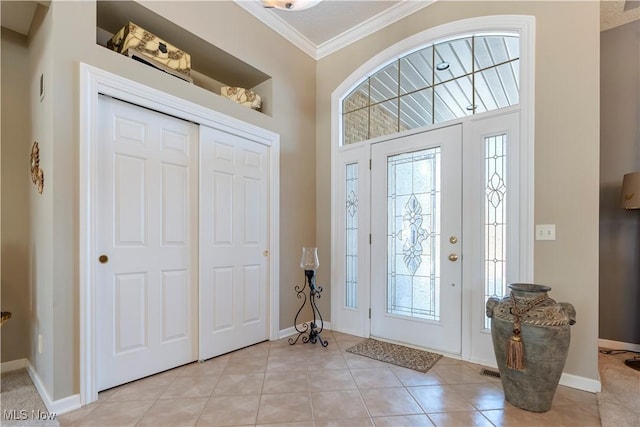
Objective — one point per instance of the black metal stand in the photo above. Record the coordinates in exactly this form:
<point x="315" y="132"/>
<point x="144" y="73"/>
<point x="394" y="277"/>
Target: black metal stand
<point x="311" y="331"/>
<point x="633" y="363"/>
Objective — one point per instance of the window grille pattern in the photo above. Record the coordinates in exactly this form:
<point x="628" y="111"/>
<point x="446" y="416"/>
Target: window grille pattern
<point x="495" y="218"/>
<point x="351" y="233"/>
<point x="413" y="234"/>
<point x="440" y="82"/>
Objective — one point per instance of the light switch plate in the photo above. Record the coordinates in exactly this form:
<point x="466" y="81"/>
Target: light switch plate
<point x="545" y="232"/>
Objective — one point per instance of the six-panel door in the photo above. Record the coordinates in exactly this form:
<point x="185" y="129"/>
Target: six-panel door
<point x="146" y="228"/>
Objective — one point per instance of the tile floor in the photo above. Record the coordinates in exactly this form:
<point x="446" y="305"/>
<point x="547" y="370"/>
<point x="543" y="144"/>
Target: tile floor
<point x="273" y="383"/>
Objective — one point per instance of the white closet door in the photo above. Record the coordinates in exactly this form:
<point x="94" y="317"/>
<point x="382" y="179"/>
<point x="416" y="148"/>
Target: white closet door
<point x="234" y="194"/>
<point x="147" y="240"/>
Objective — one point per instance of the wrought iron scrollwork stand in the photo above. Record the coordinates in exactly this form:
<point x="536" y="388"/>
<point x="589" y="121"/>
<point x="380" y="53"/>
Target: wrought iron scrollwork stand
<point x="311" y="331"/>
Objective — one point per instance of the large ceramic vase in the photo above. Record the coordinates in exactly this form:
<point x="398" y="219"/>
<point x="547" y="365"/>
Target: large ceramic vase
<point x="540" y="343"/>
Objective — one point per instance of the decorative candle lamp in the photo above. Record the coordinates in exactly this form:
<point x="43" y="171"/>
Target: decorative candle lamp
<point x="311" y="331"/>
<point x="310" y="263"/>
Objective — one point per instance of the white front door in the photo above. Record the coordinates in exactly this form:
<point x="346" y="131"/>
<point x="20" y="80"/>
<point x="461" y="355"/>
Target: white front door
<point x="234" y="207"/>
<point x="146" y="236"/>
<point x="416" y="221"/>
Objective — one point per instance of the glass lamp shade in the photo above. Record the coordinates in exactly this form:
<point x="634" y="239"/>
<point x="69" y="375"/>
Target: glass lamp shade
<point x="630" y="196"/>
<point x="309" y="260"/>
<point x="290" y="4"/>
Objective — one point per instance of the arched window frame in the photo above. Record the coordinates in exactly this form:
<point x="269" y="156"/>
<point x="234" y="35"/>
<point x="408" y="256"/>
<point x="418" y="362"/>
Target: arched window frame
<point x="524" y="26"/>
<point x="398" y="96"/>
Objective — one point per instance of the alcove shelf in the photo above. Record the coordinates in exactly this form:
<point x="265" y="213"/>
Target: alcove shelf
<point x="211" y="67"/>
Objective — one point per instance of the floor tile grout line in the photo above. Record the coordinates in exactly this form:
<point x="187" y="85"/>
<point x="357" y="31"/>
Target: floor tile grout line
<point x="371" y="417"/>
<point x="154" y="401"/>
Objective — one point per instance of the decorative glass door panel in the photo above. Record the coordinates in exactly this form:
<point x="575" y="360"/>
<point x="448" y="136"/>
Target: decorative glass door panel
<point x="495" y="218"/>
<point x="351" y="232"/>
<point x="416" y="243"/>
<point x="413" y="235"/>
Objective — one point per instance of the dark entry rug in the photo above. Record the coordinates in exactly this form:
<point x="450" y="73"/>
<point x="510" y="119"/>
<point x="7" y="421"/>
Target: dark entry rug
<point x="406" y="357"/>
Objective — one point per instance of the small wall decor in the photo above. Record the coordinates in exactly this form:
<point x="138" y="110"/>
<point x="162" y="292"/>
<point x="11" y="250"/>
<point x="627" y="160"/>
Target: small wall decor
<point x="242" y="96"/>
<point x="141" y="45"/>
<point x="37" y="175"/>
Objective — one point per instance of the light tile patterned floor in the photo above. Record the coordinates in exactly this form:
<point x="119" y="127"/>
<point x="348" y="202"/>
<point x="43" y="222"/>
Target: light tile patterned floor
<point x="273" y="383"/>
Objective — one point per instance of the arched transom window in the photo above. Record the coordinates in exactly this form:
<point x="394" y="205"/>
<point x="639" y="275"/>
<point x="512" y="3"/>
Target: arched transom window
<point x="443" y="81"/>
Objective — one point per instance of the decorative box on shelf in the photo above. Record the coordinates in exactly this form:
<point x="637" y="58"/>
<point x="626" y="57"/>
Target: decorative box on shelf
<point x="242" y="96"/>
<point x="141" y="45"/>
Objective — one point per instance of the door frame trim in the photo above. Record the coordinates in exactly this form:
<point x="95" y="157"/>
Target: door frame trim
<point x="525" y="25"/>
<point x="95" y="81"/>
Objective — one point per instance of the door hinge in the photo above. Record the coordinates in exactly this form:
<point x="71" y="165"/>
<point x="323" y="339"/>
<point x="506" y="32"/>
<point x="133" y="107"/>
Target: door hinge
<point x="369" y="164"/>
<point x="369" y="313"/>
<point x="369" y="238"/>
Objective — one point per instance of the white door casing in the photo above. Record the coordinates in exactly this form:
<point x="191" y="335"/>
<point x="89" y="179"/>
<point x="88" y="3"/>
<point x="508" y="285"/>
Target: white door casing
<point x="147" y="239"/>
<point x="234" y="216"/>
<point x="416" y="226"/>
<point x="93" y="82"/>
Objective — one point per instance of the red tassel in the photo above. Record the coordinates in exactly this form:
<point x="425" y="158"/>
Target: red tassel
<point x="515" y="352"/>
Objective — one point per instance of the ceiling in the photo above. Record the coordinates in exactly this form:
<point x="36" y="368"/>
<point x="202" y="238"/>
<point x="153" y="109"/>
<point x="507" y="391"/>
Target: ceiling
<point x="18" y="15"/>
<point x="330" y="25"/>
<point x="616" y="13"/>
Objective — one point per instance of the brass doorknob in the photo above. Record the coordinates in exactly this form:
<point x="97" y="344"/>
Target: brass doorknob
<point x="453" y="257"/>
<point x="103" y="259"/>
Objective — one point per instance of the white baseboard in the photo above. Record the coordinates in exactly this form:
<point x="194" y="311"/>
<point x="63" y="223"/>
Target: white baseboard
<point x="581" y="383"/>
<point x="287" y="332"/>
<point x="617" y="345"/>
<point x="284" y="333"/>
<point x="59" y="406"/>
<point x="488" y="363"/>
<point x="14" y="365"/>
<point x="68" y="404"/>
<point x="573" y="381"/>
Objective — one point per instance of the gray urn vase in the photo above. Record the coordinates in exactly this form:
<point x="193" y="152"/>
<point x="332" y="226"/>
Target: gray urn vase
<point x="543" y="338"/>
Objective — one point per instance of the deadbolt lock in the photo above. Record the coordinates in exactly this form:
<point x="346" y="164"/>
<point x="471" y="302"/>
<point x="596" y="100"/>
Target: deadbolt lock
<point x="103" y="259"/>
<point x="453" y="240"/>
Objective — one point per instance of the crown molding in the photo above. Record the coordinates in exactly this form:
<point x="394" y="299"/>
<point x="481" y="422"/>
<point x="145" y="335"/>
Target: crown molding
<point x="371" y="25"/>
<point x="274" y="22"/>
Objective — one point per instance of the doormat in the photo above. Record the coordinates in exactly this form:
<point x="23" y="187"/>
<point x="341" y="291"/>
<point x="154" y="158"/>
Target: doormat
<point x="406" y="357"/>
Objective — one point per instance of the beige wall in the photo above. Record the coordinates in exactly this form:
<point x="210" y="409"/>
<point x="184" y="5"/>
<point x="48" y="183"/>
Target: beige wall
<point x="566" y="145"/>
<point x="73" y="34"/>
<point x="41" y="244"/>
<point x="16" y="188"/>
<point x="619" y="154"/>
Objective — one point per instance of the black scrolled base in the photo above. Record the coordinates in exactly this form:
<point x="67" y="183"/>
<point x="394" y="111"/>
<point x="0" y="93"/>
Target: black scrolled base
<point x="315" y="335"/>
<point x="310" y="332"/>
